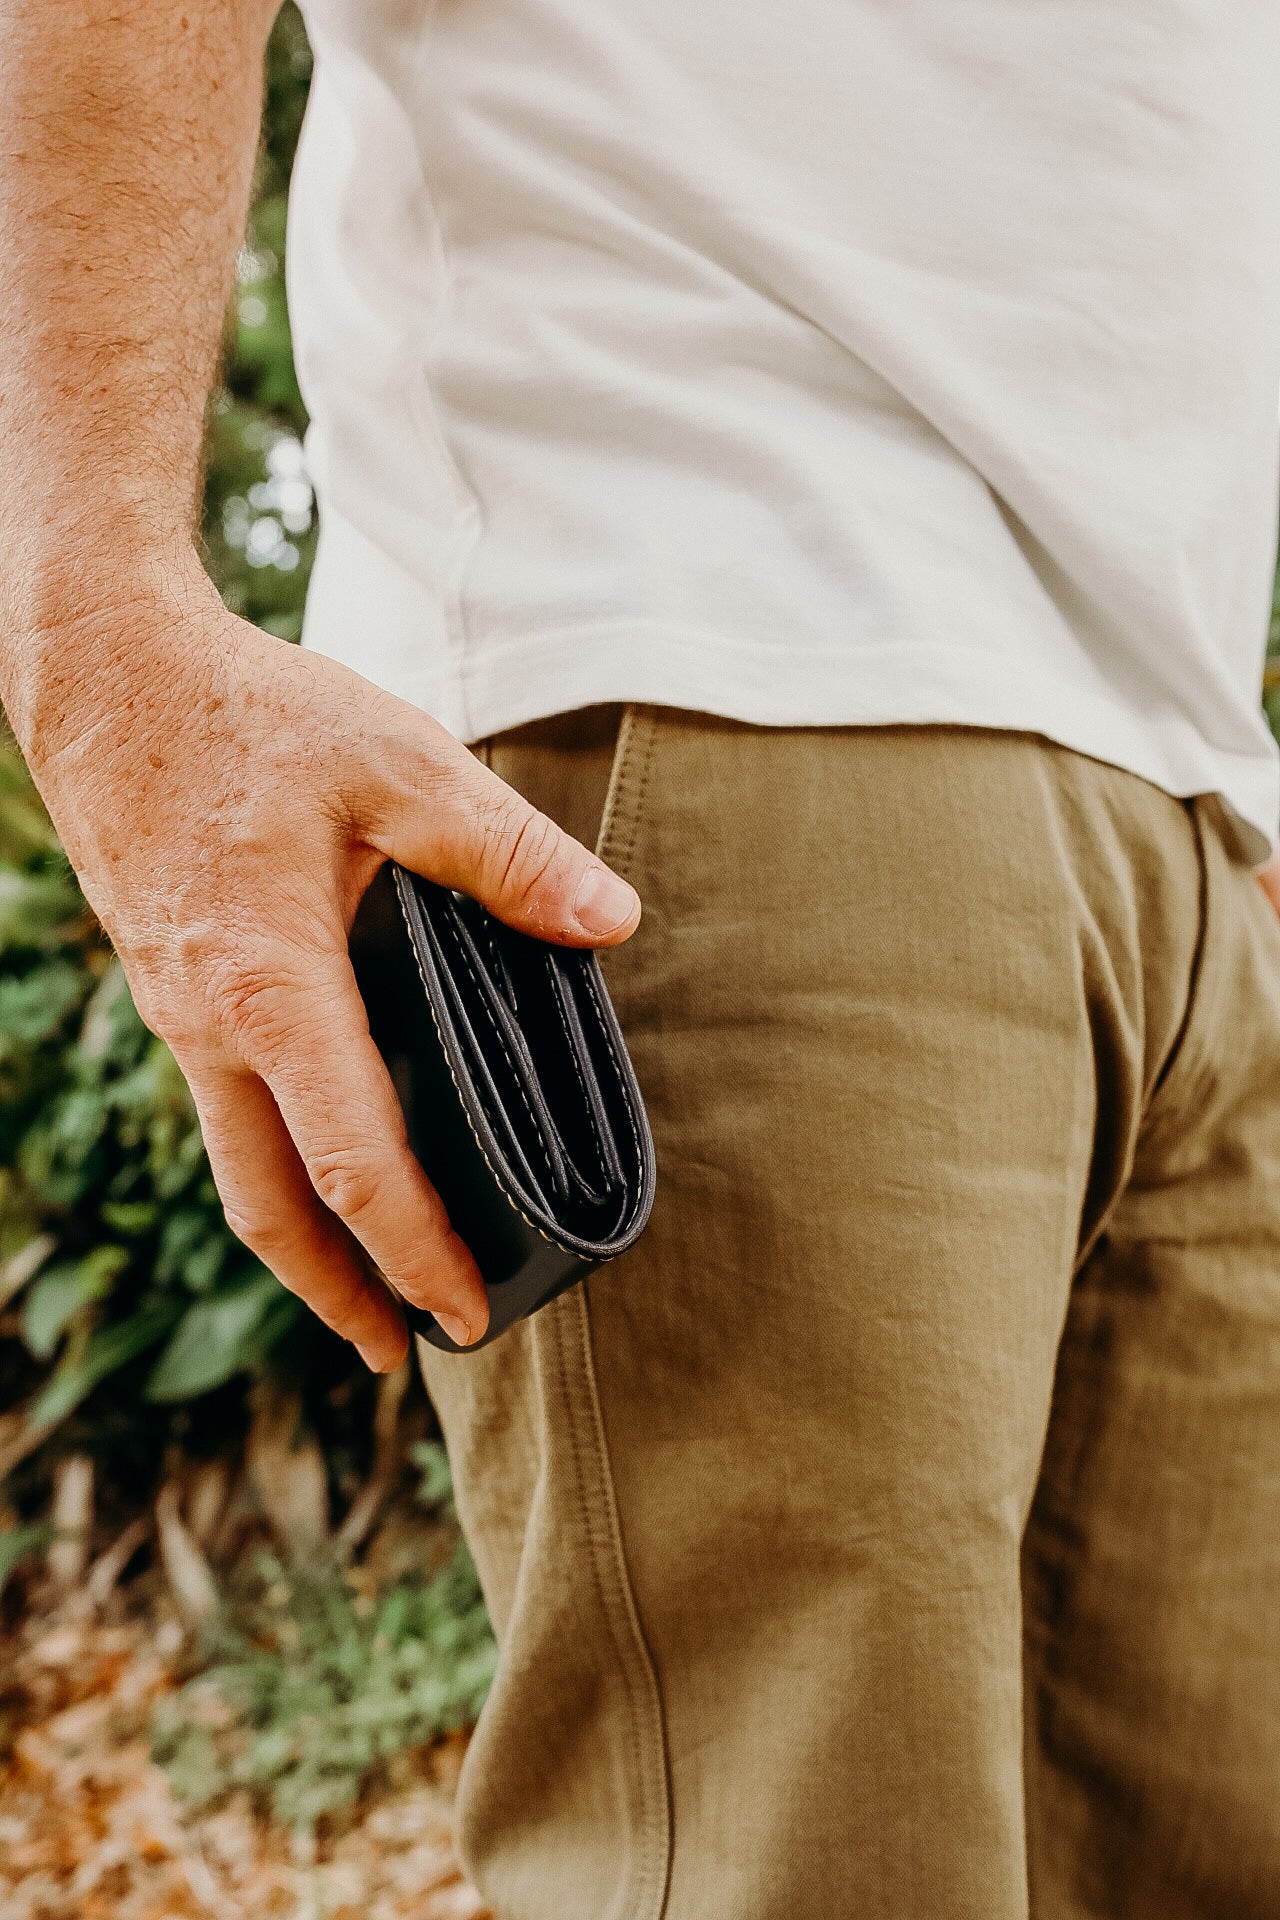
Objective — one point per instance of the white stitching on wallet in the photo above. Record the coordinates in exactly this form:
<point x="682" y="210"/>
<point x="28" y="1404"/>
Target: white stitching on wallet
<point x="507" y="1055"/>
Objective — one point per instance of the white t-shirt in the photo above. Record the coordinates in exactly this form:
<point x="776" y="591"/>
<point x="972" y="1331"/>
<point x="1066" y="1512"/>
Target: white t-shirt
<point x="836" y="362"/>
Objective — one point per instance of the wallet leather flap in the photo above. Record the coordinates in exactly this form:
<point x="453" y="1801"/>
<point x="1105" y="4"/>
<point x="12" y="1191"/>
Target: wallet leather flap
<point x="538" y="1062"/>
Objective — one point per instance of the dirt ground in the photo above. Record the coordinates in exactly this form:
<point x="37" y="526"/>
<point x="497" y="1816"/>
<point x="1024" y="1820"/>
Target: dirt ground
<point x="90" y="1831"/>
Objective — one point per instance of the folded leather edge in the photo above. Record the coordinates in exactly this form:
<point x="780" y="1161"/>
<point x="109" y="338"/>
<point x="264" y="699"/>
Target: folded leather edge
<point x="587" y="1252"/>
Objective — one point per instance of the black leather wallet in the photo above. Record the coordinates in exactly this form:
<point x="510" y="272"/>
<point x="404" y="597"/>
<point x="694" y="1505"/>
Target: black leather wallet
<point x="519" y="1097"/>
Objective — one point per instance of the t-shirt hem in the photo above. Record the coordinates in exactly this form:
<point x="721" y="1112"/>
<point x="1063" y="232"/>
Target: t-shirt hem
<point x="502" y="684"/>
<point x="899" y="684"/>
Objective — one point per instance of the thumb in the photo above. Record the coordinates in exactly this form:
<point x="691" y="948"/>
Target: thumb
<point x="474" y="832"/>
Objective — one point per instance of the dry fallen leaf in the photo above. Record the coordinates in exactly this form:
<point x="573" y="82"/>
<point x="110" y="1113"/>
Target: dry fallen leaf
<point x="288" y="1472"/>
<point x="190" y="1579"/>
<point x="89" y="1830"/>
<point x="72" y="1517"/>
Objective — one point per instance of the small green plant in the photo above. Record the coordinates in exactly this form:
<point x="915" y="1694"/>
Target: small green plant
<point x="314" y="1681"/>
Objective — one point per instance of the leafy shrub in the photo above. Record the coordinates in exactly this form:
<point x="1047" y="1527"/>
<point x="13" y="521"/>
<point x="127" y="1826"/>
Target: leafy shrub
<point x="313" y="1680"/>
<point x="309" y="1690"/>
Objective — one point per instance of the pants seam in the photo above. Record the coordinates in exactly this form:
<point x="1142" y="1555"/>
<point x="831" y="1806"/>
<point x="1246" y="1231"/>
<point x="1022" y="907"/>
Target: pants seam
<point x="568" y="1320"/>
<point x="628" y="786"/>
<point x="598" y="1516"/>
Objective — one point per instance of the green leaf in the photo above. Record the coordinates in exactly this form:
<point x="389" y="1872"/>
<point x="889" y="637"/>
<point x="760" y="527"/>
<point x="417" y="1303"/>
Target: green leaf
<point x="37" y="910"/>
<point x="310" y="1689"/>
<point x="51" y="1303"/>
<point x="18" y="1542"/>
<point x="435" y="1489"/>
<point x="101" y="1267"/>
<point x="108" y="1349"/>
<point x="129" y="1216"/>
<point x="183" y="1230"/>
<point x="78" y="1121"/>
<point x="204" y="1263"/>
<point x="35" y="1005"/>
<point x="215" y="1338"/>
<point x="57" y="1296"/>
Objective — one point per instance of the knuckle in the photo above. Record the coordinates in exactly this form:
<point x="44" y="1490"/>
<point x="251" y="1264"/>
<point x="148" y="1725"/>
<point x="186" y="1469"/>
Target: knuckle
<point x="523" y="846"/>
<point x="345" y="1305"/>
<point x="247" y="998"/>
<point x="345" y="1181"/>
<point x="415" y="762"/>
<point x="179" y="1017"/>
<point x="166" y="993"/>
<point x="266" y="1237"/>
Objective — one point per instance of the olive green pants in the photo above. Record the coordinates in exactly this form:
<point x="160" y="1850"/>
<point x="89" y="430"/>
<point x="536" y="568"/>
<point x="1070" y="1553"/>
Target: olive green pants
<point x="895" y="1533"/>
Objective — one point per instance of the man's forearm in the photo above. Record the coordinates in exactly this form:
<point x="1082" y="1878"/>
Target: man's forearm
<point x="225" y="799"/>
<point x="127" y="136"/>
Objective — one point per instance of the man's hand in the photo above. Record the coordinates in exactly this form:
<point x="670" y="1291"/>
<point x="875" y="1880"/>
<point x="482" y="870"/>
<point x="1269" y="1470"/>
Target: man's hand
<point x="1269" y="881"/>
<point x="226" y="800"/>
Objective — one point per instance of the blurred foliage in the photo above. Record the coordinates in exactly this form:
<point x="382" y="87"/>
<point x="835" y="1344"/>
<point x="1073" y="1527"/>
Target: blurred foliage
<point x="22" y="1543"/>
<point x="309" y="1689"/>
<point x="259" y="522"/>
<point x="312" y="1678"/>
<point x="129" y="1296"/>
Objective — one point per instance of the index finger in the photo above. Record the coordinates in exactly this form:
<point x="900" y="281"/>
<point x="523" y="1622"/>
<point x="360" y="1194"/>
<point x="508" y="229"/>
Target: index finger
<point x="310" y="1042"/>
<point x="271" y="1205"/>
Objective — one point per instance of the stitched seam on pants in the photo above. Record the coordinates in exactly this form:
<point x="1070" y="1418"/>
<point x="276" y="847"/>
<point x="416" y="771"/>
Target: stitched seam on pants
<point x="628" y="786"/>
<point x="650" y="1793"/>
<point x="645" y="1899"/>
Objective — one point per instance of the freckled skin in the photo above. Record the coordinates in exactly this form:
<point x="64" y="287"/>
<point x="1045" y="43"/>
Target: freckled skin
<point x="224" y="798"/>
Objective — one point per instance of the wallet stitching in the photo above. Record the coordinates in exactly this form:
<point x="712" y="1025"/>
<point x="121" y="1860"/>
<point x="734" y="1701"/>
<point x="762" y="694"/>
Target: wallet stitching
<point x="622" y="1082"/>
<point x="500" y="1178"/>
<point x="507" y="1055"/>
<point x="486" y="933"/>
<point x="595" y="1134"/>
<point x="592" y="1128"/>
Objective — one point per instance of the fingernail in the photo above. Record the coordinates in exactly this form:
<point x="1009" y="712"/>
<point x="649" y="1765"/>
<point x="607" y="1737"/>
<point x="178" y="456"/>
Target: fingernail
<point x="456" y="1328"/>
<point x="603" y="902"/>
<point x="375" y="1361"/>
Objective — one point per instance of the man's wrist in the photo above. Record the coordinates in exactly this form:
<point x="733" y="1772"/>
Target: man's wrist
<point x="67" y="631"/>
